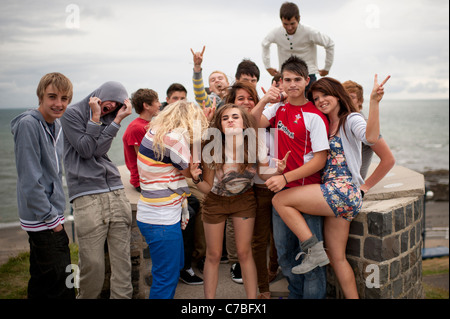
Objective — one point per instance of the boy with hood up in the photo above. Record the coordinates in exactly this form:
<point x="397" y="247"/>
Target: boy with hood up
<point x="38" y="147"/>
<point x="101" y="209"/>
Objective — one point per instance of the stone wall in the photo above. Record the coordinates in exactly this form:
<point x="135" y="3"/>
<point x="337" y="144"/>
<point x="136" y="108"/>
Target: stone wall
<point x="385" y="241"/>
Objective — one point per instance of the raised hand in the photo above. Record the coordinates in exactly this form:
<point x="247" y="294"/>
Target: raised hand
<point x="198" y="59"/>
<point x="274" y="95"/>
<point x="378" y="89"/>
<point x="94" y="104"/>
<point x="209" y="111"/>
<point x="123" y="111"/>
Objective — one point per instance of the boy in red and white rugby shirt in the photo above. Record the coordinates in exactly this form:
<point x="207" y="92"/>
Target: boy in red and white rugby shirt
<point x="303" y="130"/>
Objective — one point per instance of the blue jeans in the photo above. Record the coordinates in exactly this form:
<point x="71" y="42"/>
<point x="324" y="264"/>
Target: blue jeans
<point x="165" y="243"/>
<point x="311" y="285"/>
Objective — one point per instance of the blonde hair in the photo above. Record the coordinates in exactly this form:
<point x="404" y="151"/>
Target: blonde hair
<point x="220" y="72"/>
<point x="179" y="117"/>
<point x="59" y="82"/>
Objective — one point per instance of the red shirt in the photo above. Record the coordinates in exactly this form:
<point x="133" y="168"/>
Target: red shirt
<point x="132" y="137"/>
<point x="301" y="129"/>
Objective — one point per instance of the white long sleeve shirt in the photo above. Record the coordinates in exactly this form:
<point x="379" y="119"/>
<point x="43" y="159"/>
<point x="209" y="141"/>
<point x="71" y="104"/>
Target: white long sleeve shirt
<point x="303" y="43"/>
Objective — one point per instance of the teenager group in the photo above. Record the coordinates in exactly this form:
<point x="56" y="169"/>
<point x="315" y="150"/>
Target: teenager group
<point x="256" y="182"/>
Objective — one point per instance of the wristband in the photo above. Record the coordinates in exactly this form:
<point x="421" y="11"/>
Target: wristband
<point x="285" y="179"/>
<point x="97" y="123"/>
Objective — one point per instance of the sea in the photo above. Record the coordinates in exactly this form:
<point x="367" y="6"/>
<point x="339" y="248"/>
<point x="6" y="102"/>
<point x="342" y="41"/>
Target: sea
<point x="417" y="131"/>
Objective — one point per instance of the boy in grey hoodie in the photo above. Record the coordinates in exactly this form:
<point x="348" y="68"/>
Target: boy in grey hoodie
<point x="41" y="201"/>
<point x="101" y="210"/>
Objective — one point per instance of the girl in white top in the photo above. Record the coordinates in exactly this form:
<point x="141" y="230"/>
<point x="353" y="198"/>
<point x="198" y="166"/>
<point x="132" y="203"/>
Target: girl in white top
<point x="339" y="195"/>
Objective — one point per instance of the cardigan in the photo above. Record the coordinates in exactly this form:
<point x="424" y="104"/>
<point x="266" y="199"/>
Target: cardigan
<point x="355" y="133"/>
<point x="302" y="44"/>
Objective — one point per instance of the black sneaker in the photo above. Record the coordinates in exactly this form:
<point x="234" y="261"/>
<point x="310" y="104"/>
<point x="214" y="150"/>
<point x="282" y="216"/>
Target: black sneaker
<point x="235" y="272"/>
<point x="189" y="277"/>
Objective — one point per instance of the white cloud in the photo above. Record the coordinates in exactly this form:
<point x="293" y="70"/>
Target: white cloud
<point x="147" y="43"/>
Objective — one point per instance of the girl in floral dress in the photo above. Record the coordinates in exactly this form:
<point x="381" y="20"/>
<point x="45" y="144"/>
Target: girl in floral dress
<point x="339" y="198"/>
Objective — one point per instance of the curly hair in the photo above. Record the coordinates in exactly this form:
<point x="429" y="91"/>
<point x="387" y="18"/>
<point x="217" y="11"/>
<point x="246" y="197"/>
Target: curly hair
<point x="180" y="117"/>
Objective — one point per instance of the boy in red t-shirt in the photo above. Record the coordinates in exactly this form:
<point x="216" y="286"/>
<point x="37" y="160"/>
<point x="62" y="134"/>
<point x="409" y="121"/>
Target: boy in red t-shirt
<point x="303" y="130"/>
<point x="146" y="104"/>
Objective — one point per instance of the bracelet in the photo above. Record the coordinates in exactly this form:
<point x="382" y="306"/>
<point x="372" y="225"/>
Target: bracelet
<point x="196" y="181"/>
<point x="97" y="123"/>
<point x="285" y="179"/>
<point x="281" y="97"/>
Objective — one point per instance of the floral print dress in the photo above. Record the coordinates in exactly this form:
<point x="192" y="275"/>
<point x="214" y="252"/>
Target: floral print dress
<point x="337" y="187"/>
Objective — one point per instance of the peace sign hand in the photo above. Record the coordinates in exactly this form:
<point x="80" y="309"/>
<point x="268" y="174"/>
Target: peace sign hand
<point x="378" y="89"/>
<point x="281" y="164"/>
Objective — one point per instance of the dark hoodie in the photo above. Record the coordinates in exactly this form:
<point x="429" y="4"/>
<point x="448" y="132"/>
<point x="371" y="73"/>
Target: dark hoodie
<point x="88" y="168"/>
<point x="40" y="196"/>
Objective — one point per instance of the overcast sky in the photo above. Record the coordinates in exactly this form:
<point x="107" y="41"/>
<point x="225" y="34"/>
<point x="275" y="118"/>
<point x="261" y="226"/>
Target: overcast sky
<point x="146" y="44"/>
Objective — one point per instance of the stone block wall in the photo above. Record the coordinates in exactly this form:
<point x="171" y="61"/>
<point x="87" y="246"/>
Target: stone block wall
<point x="384" y="250"/>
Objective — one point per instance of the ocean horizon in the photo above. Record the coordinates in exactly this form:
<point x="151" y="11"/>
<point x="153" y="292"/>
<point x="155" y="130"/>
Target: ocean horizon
<point x="417" y="131"/>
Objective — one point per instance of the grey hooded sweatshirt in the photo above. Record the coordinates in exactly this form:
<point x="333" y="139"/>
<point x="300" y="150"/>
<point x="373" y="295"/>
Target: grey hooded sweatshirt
<point x="40" y="196"/>
<point x="88" y="167"/>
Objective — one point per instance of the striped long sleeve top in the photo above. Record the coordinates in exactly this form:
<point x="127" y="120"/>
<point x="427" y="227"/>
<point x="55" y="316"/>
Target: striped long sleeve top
<point x="163" y="187"/>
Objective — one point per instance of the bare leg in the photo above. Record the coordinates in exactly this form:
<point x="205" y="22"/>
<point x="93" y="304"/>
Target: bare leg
<point x="336" y="235"/>
<point x="214" y="240"/>
<point x="306" y="199"/>
<point x="243" y="229"/>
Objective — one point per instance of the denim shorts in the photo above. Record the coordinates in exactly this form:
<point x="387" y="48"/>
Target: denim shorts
<point x="217" y="209"/>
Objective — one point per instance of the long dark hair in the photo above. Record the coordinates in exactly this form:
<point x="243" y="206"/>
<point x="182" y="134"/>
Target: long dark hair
<point x="250" y="137"/>
<point x="333" y="87"/>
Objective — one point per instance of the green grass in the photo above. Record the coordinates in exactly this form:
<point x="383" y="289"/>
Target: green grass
<point x="435" y="266"/>
<point x="15" y="273"/>
<point x="14" y="276"/>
